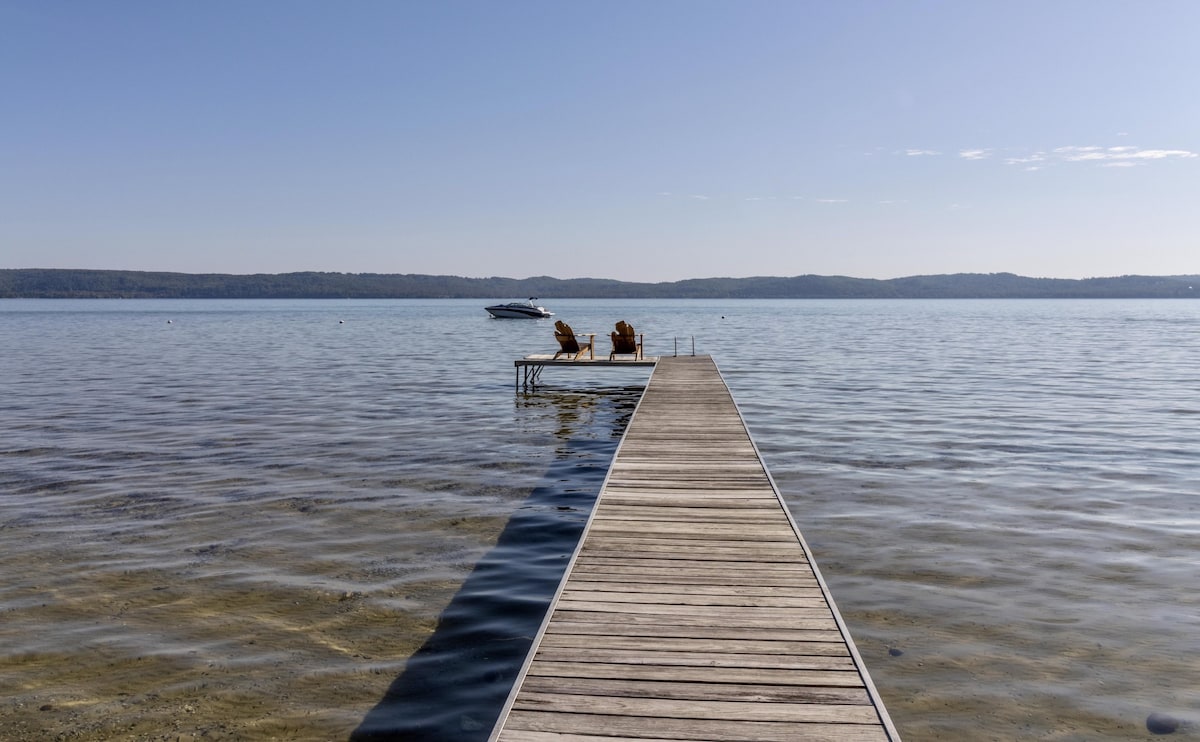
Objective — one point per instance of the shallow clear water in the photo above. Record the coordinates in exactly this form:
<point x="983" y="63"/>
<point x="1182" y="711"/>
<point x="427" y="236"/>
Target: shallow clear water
<point x="245" y="519"/>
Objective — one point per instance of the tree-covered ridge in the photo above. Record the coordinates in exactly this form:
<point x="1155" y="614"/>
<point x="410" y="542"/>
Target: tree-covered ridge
<point x="66" y="283"/>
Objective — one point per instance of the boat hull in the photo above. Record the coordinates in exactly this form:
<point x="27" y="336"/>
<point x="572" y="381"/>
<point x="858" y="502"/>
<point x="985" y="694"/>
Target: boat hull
<point x="518" y="311"/>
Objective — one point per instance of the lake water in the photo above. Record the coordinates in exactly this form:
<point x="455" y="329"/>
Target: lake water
<point x="340" y="519"/>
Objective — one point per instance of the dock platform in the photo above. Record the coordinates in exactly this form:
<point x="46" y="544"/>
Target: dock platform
<point x="531" y="367"/>
<point x="692" y="609"/>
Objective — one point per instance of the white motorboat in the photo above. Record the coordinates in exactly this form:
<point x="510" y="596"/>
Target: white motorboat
<point x="519" y="309"/>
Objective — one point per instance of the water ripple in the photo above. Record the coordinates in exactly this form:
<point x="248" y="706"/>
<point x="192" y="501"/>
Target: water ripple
<point x="281" y="519"/>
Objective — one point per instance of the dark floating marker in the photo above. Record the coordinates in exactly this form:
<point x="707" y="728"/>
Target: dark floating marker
<point x="1159" y="723"/>
<point x="895" y="652"/>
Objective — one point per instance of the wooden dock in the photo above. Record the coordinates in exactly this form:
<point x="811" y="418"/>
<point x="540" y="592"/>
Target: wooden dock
<point x="531" y="367"/>
<point x="692" y="609"/>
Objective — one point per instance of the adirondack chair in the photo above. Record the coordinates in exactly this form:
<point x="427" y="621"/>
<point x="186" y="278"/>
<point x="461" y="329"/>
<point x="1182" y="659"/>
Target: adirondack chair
<point x="569" y="345"/>
<point x="625" y="341"/>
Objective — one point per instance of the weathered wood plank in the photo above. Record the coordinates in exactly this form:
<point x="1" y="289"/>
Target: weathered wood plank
<point x="686" y="548"/>
<point x="730" y="619"/>
<point x="771" y="676"/>
<point x="690" y="514"/>
<point x="679" y="548"/>
<point x="829" y="646"/>
<point x="643" y="631"/>
<point x="692" y="573"/>
<point x="740" y="505"/>
<point x="646" y="728"/>
<point x="710" y="656"/>
<point x="705" y="709"/>
<point x="779" y="615"/>
<point x="715" y="691"/>
<point x="715" y="568"/>
<point x="741" y="601"/>
<point x="758" y="591"/>
<point x="735" y="528"/>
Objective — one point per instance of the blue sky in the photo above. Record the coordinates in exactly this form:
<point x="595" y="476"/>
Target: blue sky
<point x="647" y="141"/>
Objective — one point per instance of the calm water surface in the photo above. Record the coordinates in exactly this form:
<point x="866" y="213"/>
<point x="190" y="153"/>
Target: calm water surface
<point x="318" y="520"/>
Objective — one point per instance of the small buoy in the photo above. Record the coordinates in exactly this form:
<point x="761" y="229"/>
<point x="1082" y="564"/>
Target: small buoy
<point x="1160" y="723"/>
<point x="168" y="322"/>
<point x="341" y="321"/>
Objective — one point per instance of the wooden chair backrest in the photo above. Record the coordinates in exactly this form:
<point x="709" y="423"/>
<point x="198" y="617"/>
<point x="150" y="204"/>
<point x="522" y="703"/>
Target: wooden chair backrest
<point x="624" y="339"/>
<point x="565" y="337"/>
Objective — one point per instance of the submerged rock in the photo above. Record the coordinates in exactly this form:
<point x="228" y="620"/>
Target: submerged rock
<point x="1159" y="723"/>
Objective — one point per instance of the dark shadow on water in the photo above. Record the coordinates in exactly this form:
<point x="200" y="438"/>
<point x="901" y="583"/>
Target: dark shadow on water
<point x="454" y="686"/>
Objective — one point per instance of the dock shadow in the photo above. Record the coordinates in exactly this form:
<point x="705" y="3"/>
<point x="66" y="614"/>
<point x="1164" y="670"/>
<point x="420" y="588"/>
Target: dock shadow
<point x="455" y="685"/>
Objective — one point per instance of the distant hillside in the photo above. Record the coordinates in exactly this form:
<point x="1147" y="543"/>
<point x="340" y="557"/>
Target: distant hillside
<point x="57" y="284"/>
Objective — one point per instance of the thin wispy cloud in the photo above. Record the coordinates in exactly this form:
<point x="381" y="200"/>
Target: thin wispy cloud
<point x="1123" y="156"/>
<point x="1102" y="154"/>
<point x="1032" y="163"/>
<point x="764" y="199"/>
<point x="1120" y="156"/>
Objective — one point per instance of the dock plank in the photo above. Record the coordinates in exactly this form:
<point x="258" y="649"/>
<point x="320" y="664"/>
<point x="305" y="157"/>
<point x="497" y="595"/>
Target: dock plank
<point x="691" y="609"/>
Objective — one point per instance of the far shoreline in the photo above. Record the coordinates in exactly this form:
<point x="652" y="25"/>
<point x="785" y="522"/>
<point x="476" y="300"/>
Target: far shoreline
<point x="55" y="283"/>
